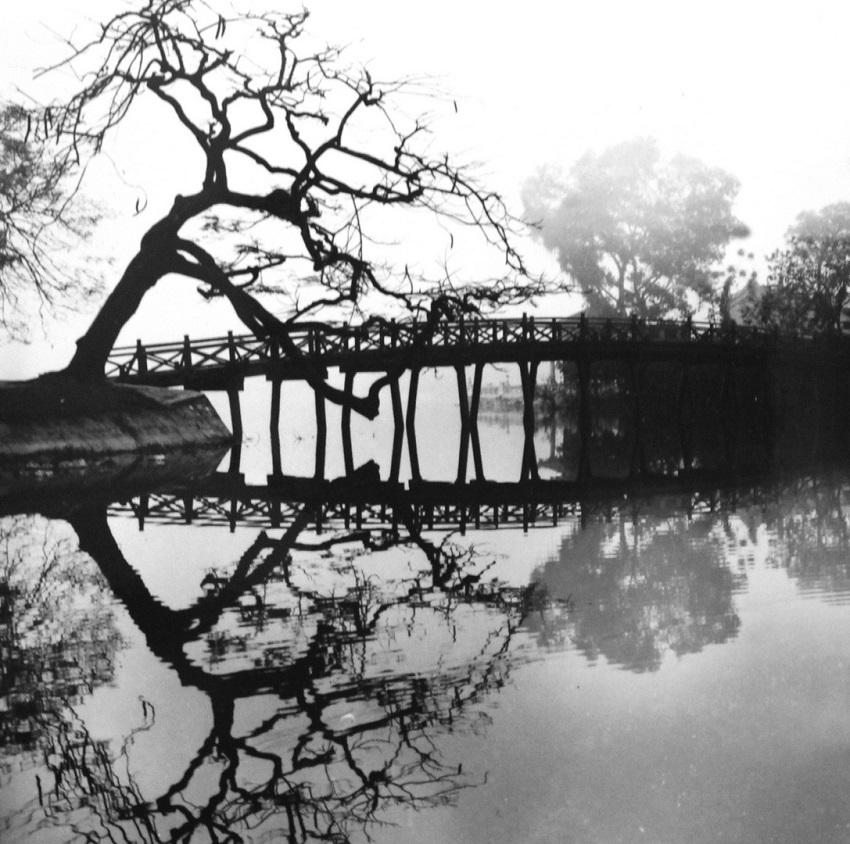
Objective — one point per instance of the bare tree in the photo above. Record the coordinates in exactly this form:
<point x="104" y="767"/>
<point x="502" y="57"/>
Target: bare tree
<point x="300" y="160"/>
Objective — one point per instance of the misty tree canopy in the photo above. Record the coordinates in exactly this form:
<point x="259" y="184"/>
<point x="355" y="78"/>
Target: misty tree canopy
<point x="637" y="233"/>
<point x="302" y="162"/>
<point x="809" y="278"/>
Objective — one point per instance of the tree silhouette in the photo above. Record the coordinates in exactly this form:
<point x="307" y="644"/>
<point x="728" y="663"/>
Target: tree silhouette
<point x="808" y="280"/>
<point x="299" y="158"/>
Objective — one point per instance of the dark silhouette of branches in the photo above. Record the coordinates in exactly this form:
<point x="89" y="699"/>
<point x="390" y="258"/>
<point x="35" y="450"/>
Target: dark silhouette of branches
<point x="334" y="767"/>
<point x="300" y="159"/>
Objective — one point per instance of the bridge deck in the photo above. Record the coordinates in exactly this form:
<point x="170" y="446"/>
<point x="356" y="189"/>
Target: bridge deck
<point x="382" y="346"/>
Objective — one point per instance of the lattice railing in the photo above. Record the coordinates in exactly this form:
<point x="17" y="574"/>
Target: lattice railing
<point x="329" y="345"/>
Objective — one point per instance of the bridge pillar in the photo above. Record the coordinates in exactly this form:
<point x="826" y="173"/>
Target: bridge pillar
<point x="473" y="421"/>
<point x="274" y="428"/>
<point x="321" y="435"/>
<point x="585" y="419"/>
<point x="413" y="451"/>
<point x="188" y="509"/>
<point x="636" y="375"/>
<point x="769" y="407"/>
<point x="398" y="430"/>
<point x="236" y="423"/>
<point x="528" y="377"/>
<point x="347" y="451"/>
<point x="141" y="358"/>
<point x="233" y="515"/>
<point x="818" y="399"/>
<point x="142" y="511"/>
<point x="683" y="420"/>
<point x="729" y="414"/>
<point x="463" y="448"/>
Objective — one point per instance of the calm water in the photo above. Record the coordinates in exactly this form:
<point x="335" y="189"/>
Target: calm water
<point x="654" y="668"/>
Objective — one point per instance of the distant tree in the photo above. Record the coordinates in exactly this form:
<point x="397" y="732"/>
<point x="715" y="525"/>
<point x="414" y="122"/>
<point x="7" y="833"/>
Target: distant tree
<point x="808" y="280"/>
<point x="634" y="232"/>
<point x="299" y="161"/>
<point x="739" y="290"/>
<point x="40" y="217"/>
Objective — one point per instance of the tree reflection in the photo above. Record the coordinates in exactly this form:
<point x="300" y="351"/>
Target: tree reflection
<point x="811" y="534"/>
<point x="641" y="586"/>
<point x="362" y="679"/>
<point x="57" y="629"/>
<point x="335" y="692"/>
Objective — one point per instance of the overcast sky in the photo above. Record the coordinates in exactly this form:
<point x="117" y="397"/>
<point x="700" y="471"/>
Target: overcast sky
<point x="757" y="88"/>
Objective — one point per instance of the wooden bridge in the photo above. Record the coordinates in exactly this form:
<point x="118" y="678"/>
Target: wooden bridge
<point x="391" y="347"/>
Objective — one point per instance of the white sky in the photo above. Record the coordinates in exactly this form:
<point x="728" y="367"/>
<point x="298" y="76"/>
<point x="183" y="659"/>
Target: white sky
<point x="757" y="88"/>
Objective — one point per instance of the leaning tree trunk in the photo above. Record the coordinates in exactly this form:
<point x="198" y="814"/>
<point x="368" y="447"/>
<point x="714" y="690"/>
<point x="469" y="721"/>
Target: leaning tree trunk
<point x="155" y="259"/>
<point x="93" y="348"/>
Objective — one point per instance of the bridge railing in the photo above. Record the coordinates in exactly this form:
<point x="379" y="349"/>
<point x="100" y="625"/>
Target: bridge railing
<point x="328" y="343"/>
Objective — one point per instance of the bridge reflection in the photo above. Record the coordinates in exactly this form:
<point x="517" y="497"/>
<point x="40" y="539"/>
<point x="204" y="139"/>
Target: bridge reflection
<point x="335" y="701"/>
<point x="224" y="499"/>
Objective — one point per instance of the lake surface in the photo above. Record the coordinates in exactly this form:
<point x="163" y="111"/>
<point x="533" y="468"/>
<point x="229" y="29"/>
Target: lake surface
<point x="663" y="665"/>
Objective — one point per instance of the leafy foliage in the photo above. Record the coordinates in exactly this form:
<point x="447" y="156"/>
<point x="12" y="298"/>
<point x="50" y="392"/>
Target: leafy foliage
<point x="39" y="218"/>
<point x="636" y="233"/>
<point x="809" y="279"/>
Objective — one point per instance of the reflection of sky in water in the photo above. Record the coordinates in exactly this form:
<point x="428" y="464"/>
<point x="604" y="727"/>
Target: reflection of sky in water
<point x="728" y="718"/>
<point x="437" y="430"/>
<point x="746" y="741"/>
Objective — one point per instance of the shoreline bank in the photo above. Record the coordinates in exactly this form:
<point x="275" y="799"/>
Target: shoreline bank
<point x="55" y="418"/>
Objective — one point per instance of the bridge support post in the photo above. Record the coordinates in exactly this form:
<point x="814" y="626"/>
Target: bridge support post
<point x="142" y="511"/>
<point x="398" y="430"/>
<point x="585" y="420"/>
<point x="729" y="414"/>
<point x="321" y="435"/>
<point x="236" y="423"/>
<point x="683" y="420"/>
<point x="413" y="451"/>
<point x="274" y="428"/>
<point x="768" y="412"/>
<point x="473" y="422"/>
<point x="818" y="398"/>
<point x="636" y="371"/>
<point x="528" y="376"/>
<point x="463" y="448"/>
<point x="188" y="509"/>
<point x="347" y="451"/>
